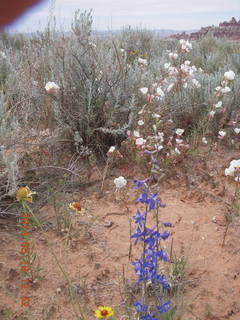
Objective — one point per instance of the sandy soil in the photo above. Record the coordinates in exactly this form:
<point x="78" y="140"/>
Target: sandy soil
<point x="96" y="256"/>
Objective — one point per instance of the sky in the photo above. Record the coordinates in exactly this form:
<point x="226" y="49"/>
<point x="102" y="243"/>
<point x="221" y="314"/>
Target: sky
<point x="115" y="14"/>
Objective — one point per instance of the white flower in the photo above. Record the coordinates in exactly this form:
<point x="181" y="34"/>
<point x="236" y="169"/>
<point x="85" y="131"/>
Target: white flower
<point x="194" y="68"/>
<point x="158" y="148"/>
<point x="93" y="45"/>
<point x="166" y="65"/>
<point x="229" y="75"/>
<point x="120" y="182"/>
<point x="173" y="55"/>
<point x="218" y="88"/>
<point x="111" y="149"/>
<point x="177" y="151"/>
<point x="160" y="136"/>
<point x="185" y="85"/>
<point x="222" y="133"/>
<point x="159" y="92"/>
<point x="179" y="141"/>
<point x="229" y="171"/>
<point x="52" y="87"/>
<point x="140" y="141"/>
<point x="200" y="70"/>
<point x="140" y="122"/>
<point x="237" y="130"/>
<point x="136" y="134"/>
<point x="169" y="88"/>
<point x="3" y="55"/>
<point x="156" y="115"/>
<point x="144" y="90"/>
<point x="225" y="90"/>
<point x="187" y="63"/>
<point x="142" y="61"/>
<point x="172" y="71"/>
<point x="154" y="127"/>
<point x="122" y="50"/>
<point x="185" y="45"/>
<point x="179" y="131"/>
<point x="212" y="113"/>
<point x="204" y="140"/>
<point x="218" y="105"/>
<point x="234" y="164"/>
<point x="196" y="83"/>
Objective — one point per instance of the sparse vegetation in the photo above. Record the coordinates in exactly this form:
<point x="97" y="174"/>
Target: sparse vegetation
<point x="78" y="111"/>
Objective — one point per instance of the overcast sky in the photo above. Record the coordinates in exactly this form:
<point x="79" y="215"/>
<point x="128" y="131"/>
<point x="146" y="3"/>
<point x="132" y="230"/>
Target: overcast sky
<point x="150" y="14"/>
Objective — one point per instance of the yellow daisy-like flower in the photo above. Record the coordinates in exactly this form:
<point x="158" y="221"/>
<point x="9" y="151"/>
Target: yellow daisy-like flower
<point x="133" y="52"/>
<point x="76" y="206"/>
<point x="103" y="312"/>
<point x="24" y="193"/>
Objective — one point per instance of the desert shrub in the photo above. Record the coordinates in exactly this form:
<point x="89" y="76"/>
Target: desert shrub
<point x="99" y="80"/>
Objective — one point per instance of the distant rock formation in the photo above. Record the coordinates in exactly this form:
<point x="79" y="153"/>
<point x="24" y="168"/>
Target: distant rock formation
<point x="230" y="30"/>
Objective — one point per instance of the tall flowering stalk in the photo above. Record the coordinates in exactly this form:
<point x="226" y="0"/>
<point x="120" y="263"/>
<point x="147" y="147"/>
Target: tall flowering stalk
<point x="147" y="267"/>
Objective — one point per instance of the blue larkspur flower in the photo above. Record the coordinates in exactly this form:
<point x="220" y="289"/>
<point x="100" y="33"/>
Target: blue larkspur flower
<point x="139" y="183"/>
<point x="139" y="218"/>
<point x="161" y="280"/>
<point x="140" y="307"/>
<point x="152" y="238"/>
<point x="138" y="235"/>
<point x="152" y="201"/>
<point x="165" y="235"/>
<point x="148" y="317"/>
<point x="161" y="254"/>
<point x="165" y="306"/>
<point x="167" y="224"/>
<point x="143" y="198"/>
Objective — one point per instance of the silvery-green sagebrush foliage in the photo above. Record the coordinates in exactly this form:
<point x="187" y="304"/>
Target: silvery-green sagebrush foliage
<point x="99" y="80"/>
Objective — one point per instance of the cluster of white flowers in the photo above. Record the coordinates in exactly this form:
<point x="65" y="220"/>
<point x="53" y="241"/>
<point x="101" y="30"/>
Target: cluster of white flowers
<point x="224" y="88"/>
<point x="233" y="168"/>
<point x="220" y="92"/>
<point x="185" y="45"/>
<point x="52" y="88"/>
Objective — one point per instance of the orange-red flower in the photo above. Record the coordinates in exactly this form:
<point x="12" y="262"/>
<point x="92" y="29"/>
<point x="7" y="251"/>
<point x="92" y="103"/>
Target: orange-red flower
<point x="76" y="206"/>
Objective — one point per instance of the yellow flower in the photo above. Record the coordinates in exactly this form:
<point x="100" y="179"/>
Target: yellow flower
<point x="103" y="312"/>
<point x="24" y="193"/>
<point x="133" y="52"/>
<point x="76" y="206"/>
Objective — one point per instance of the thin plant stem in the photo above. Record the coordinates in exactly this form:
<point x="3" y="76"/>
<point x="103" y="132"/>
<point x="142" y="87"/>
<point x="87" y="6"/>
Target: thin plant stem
<point x="26" y="209"/>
